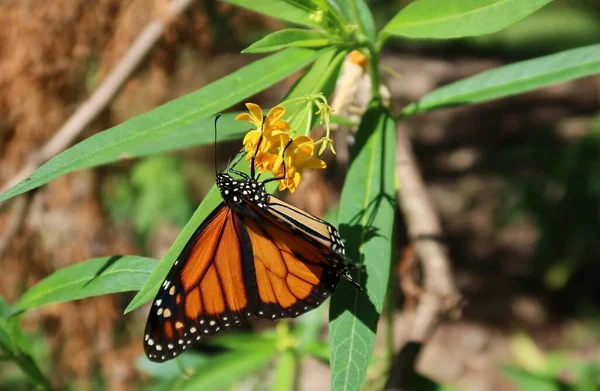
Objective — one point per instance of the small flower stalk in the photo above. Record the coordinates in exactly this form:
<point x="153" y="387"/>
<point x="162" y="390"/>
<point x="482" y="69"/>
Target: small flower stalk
<point x="276" y="148"/>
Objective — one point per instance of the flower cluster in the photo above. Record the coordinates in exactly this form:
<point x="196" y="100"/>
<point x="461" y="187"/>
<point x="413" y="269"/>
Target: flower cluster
<point x="275" y="147"/>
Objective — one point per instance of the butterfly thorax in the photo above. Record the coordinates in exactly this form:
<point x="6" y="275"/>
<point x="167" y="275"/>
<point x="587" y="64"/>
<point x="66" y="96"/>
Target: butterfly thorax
<point x="236" y="191"/>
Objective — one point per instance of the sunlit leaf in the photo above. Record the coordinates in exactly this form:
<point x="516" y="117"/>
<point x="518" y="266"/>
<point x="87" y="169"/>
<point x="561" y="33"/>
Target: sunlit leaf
<point x="145" y="133"/>
<point x="277" y="9"/>
<point x="366" y="220"/>
<point x="95" y="277"/>
<point x="512" y="79"/>
<point x="459" y="18"/>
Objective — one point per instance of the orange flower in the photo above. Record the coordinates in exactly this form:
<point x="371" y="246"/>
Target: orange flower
<point x="273" y="130"/>
<point x="298" y="157"/>
<point x="272" y="133"/>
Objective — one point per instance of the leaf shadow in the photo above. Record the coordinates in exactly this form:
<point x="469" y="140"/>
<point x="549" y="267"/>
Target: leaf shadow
<point x="362" y="228"/>
<point x="109" y="262"/>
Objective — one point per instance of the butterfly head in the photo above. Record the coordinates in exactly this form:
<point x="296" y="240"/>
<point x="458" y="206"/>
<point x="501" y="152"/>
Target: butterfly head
<point x="236" y="191"/>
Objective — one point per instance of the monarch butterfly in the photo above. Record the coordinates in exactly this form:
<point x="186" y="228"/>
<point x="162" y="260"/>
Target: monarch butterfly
<point x="253" y="256"/>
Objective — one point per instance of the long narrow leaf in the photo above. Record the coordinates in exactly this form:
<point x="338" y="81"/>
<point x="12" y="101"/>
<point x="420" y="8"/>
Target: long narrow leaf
<point x="459" y="18"/>
<point x="182" y="113"/>
<point x="277" y="9"/>
<point x="291" y="38"/>
<point x="95" y="277"/>
<point x="366" y="221"/>
<point x="513" y="79"/>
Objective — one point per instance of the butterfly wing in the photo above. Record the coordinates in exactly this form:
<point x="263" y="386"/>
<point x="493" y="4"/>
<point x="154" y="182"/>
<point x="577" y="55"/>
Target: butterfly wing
<point x="298" y="259"/>
<point x="206" y="290"/>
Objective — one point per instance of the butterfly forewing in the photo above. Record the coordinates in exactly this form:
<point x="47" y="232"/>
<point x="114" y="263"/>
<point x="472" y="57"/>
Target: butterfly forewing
<point x="206" y="290"/>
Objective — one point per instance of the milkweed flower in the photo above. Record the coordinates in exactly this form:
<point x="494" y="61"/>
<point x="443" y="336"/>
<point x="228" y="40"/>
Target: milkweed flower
<point x="298" y="157"/>
<point x="274" y="146"/>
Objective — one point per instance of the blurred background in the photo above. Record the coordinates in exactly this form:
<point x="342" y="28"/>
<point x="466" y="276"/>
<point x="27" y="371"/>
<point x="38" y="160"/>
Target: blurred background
<point x="516" y="182"/>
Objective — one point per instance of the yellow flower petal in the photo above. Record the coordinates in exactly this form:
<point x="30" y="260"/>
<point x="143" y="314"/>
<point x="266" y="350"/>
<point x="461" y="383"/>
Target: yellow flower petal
<point x="275" y="114"/>
<point x="244" y="117"/>
<point x="256" y="112"/>
<point x="313" y="163"/>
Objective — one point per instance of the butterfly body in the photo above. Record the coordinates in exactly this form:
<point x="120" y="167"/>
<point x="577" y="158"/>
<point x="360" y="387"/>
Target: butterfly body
<point x="253" y="256"/>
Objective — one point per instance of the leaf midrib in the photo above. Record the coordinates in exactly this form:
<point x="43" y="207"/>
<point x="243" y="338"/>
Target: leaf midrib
<point x="362" y="237"/>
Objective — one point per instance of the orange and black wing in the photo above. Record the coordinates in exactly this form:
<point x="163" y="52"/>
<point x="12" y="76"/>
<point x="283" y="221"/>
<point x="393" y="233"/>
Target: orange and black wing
<point x="296" y="266"/>
<point x="210" y="287"/>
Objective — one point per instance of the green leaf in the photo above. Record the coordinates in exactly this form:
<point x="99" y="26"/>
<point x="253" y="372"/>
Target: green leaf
<point x="277" y="9"/>
<point x="459" y="18"/>
<point x="527" y="381"/>
<point x="366" y="220"/>
<point x="285" y="372"/>
<point x="358" y="12"/>
<point x="243" y="341"/>
<point x="513" y="79"/>
<point x="227" y="368"/>
<point x="291" y="38"/>
<point x="95" y="277"/>
<point x="124" y="140"/>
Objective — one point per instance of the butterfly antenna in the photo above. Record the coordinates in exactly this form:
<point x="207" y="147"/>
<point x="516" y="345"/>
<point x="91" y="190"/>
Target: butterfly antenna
<point x="216" y="119"/>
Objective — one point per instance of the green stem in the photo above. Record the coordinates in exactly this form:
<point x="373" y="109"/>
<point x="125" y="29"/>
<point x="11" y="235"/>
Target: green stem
<point x="374" y="70"/>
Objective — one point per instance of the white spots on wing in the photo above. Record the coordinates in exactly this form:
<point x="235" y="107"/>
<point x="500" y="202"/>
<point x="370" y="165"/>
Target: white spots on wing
<point x="201" y="321"/>
<point x="212" y="322"/>
<point x="180" y="342"/>
<point x="193" y="330"/>
<point x="146" y="337"/>
<point x="198" y="338"/>
<point x="226" y="192"/>
<point x="206" y="331"/>
<point x="172" y="290"/>
<point x="235" y="199"/>
<point x="226" y="325"/>
<point x="160" y="310"/>
<point x="167" y="313"/>
<point x="158" y="347"/>
<point x="150" y="342"/>
<point x="224" y="318"/>
<point x="174" y="354"/>
<point x="170" y="346"/>
<point x="158" y="302"/>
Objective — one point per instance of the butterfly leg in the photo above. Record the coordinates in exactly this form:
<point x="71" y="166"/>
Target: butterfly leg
<point x="232" y="170"/>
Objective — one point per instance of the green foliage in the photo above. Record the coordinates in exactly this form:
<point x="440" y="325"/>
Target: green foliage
<point x="162" y="194"/>
<point x="145" y="133"/>
<point x="366" y="220"/>
<point x="291" y="38"/>
<point x="15" y="346"/>
<point x="512" y="79"/>
<point x="459" y="18"/>
<point x="367" y="208"/>
<point x="94" y="277"/>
